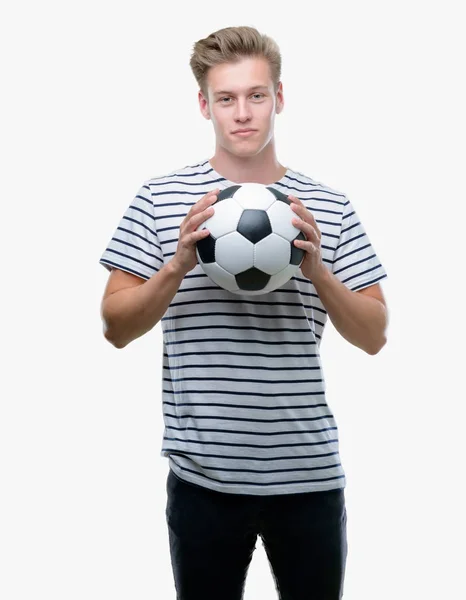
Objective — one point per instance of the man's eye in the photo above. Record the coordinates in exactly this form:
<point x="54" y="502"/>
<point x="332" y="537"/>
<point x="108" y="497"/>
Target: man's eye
<point x="228" y="98"/>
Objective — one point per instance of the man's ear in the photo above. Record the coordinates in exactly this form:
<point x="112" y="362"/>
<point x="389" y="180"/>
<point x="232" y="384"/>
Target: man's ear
<point x="280" y="98"/>
<point x="204" y="105"/>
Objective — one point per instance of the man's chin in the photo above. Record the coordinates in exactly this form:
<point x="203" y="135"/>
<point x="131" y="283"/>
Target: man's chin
<point x="245" y="151"/>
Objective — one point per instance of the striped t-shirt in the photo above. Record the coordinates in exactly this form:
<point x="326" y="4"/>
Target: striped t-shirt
<point x="243" y="390"/>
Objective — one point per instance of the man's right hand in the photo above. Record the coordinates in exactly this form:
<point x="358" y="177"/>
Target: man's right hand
<point x="185" y="258"/>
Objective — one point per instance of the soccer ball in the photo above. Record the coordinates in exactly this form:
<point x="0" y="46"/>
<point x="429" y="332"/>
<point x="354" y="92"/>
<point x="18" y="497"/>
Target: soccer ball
<point x="250" y="248"/>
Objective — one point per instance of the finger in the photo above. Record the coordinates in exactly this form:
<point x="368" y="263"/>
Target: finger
<point x="205" y="201"/>
<point x="198" y="235"/>
<point x="309" y="231"/>
<point x="306" y="215"/>
<point x="194" y="237"/>
<point x="296" y="207"/>
<point x="212" y="196"/>
<point x="301" y="210"/>
<point x="302" y="224"/>
<point x="211" y="199"/>
<point x="202" y="216"/>
<point x="305" y="245"/>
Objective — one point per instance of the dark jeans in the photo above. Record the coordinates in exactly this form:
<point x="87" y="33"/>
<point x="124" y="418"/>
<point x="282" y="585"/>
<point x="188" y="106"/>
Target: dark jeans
<point x="213" y="536"/>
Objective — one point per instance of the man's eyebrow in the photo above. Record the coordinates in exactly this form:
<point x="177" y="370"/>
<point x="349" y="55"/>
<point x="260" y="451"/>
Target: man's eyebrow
<point x="254" y="87"/>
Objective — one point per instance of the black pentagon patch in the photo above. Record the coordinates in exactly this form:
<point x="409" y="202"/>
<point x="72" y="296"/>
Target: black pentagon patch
<point x="206" y="248"/>
<point x="252" y="280"/>
<point x="297" y="254"/>
<point x="254" y="225"/>
<point x="279" y="195"/>
<point x="227" y="192"/>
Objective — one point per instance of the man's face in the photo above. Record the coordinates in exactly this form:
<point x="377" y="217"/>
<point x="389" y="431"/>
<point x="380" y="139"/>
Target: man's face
<point x="241" y="96"/>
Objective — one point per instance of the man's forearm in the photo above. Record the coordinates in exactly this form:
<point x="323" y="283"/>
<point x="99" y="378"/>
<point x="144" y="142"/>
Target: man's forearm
<point x="360" y="319"/>
<point x="132" y="312"/>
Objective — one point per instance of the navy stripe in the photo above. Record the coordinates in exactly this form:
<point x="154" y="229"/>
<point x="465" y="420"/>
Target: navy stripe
<point x="149" y="201"/>
<point x="242" y="380"/>
<point x="200" y="353"/>
<point x="195" y="174"/>
<point x="143" y="225"/>
<point x="137" y="248"/>
<point x="245" y="445"/>
<point x="130" y="232"/>
<point x="348" y="215"/>
<point x="258" y="458"/>
<point x="352" y="252"/>
<point x="368" y="283"/>
<point x="241" y="432"/>
<point x="223" y="418"/>
<point x="250" y="406"/>
<point x="264" y="484"/>
<point x="268" y="471"/>
<point x="295" y="189"/>
<point x="124" y="268"/>
<point x="358" y="262"/>
<point x="243" y="341"/>
<point x="287" y="395"/>
<point x="361" y="273"/>
<point x="361" y="235"/>
<point x="231" y="366"/>
<point x="136" y="260"/>
<point x="138" y="209"/>
<point x="351" y="227"/>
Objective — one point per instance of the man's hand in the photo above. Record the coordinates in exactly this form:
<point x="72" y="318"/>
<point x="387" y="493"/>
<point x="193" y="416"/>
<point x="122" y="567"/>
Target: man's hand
<point x="185" y="258"/>
<point x="312" y="264"/>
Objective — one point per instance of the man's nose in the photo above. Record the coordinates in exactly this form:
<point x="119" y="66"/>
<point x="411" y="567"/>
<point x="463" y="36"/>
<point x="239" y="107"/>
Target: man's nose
<point x="243" y="111"/>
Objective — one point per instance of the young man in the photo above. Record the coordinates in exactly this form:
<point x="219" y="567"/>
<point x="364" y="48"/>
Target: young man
<point x="252" y="444"/>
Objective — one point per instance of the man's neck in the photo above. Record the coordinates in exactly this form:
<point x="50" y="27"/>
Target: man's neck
<point x="247" y="171"/>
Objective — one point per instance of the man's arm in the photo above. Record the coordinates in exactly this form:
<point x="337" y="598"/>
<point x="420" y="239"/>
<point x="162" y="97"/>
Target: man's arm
<point x="360" y="317"/>
<point x="132" y="306"/>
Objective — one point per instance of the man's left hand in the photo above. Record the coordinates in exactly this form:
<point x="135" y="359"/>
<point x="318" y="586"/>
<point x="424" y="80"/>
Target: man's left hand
<point x="312" y="265"/>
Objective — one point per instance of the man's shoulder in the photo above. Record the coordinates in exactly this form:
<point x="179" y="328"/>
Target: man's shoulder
<point x="195" y="172"/>
<point x="305" y="182"/>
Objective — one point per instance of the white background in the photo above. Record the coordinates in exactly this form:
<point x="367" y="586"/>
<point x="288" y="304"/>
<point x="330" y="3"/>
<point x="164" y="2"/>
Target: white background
<point x="98" y="97"/>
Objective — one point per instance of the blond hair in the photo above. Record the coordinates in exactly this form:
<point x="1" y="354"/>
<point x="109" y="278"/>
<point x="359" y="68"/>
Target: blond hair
<point x="231" y="44"/>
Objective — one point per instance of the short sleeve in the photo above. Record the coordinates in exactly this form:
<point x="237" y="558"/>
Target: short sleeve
<point x="355" y="261"/>
<point x="135" y="246"/>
